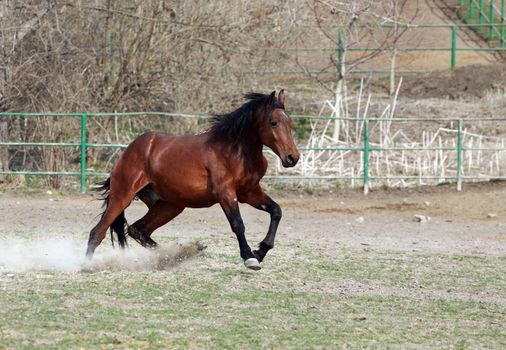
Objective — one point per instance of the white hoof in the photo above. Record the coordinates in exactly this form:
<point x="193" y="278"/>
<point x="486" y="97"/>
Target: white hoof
<point x="252" y="263"/>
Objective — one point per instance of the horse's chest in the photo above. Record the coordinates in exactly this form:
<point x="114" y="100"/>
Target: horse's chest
<point x="249" y="178"/>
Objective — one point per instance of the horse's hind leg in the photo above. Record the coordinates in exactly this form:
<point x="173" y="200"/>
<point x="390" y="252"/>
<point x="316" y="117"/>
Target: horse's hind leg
<point x="114" y="209"/>
<point x="159" y="214"/>
<point x="121" y="194"/>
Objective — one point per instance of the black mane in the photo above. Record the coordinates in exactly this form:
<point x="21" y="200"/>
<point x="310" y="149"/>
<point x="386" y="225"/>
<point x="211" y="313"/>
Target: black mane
<point x="234" y="125"/>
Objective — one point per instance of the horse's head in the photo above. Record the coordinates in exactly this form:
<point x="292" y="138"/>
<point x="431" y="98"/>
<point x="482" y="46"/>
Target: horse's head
<point x="275" y="129"/>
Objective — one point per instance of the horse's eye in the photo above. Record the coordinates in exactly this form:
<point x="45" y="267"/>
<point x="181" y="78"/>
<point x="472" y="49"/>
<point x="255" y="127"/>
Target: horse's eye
<point x="274" y="123"/>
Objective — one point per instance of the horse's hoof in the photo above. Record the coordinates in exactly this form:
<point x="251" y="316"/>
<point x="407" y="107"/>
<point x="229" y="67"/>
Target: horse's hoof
<point x="252" y="263"/>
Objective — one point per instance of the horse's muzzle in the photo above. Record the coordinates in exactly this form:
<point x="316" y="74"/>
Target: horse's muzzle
<point x="290" y="161"/>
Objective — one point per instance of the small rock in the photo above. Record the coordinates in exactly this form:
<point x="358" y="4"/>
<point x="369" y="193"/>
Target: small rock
<point x="421" y="218"/>
<point x="360" y="219"/>
<point x="427" y="203"/>
<point x="200" y="246"/>
<point x="491" y="215"/>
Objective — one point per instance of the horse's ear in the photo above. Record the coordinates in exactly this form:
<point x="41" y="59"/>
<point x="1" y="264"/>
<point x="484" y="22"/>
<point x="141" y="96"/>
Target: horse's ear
<point x="281" y="96"/>
<point x="272" y="99"/>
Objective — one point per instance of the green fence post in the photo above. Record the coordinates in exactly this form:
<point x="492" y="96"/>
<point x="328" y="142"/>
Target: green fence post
<point x="491" y="21"/>
<point x="480" y="15"/>
<point x="366" y="156"/>
<point x="340" y="51"/>
<point x="461" y="2"/>
<point x="83" y="152"/>
<point x="501" y="40"/>
<point x="459" y="156"/>
<point x="454" y="47"/>
<point x="470" y="11"/>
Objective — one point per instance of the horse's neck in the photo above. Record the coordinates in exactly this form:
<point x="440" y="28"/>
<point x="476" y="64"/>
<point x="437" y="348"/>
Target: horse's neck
<point x="251" y="146"/>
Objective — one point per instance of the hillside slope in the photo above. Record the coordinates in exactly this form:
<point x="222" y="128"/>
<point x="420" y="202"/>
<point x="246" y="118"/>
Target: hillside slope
<point x="433" y="12"/>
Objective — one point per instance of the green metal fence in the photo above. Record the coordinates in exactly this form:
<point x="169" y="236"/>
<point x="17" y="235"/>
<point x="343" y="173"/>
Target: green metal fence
<point x="452" y="47"/>
<point x="494" y="28"/>
<point x="487" y="18"/>
<point x="366" y="148"/>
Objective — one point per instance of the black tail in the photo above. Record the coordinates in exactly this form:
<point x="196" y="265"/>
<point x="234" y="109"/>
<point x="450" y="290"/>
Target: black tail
<point x="119" y="225"/>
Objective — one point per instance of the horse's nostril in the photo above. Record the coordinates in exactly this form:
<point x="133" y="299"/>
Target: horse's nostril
<point x="290" y="159"/>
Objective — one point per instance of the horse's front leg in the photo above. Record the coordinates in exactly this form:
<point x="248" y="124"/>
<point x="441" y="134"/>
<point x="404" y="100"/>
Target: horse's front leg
<point x="230" y="206"/>
<point x="260" y="200"/>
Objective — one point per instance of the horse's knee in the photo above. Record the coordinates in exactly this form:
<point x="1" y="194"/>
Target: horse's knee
<point x="276" y="212"/>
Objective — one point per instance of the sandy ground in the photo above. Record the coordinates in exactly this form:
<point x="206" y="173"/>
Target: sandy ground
<point x="432" y="12"/>
<point x="424" y="13"/>
<point x="472" y="222"/>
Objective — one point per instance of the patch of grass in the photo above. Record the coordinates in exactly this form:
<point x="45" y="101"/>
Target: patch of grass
<point x="303" y="298"/>
<point x="302" y="128"/>
<point x="308" y="190"/>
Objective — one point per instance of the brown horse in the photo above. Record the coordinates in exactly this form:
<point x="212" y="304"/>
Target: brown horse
<point x="223" y="165"/>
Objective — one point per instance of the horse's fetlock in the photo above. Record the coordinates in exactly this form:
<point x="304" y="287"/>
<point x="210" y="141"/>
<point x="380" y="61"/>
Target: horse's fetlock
<point x="265" y="246"/>
<point x="247" y="254"/>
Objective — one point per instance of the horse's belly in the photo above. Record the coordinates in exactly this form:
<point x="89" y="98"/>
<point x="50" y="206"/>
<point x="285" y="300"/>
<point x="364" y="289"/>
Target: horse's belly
<point x="189" y="192"/>
<point x="191" y="199"/>
<point x="178" y="175"/>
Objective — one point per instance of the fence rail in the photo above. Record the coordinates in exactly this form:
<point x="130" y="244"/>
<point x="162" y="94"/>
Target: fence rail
<point x="363" y="145"/>
<point x="494" y="29"/>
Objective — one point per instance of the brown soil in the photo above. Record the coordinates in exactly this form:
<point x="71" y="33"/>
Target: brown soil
<point x="471" y="222"/>
<point x="464" y="82"/>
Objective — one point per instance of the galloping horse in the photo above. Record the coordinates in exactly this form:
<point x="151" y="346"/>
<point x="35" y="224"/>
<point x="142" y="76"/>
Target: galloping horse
<point x="223" y="165"/>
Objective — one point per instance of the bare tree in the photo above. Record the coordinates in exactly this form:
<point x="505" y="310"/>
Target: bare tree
<point x="10" y="39"/>
<point x="372" y="26"/>
<point x="154" y="55"/>
<point x="127" y="55"/>
<point x="355" y="33"/>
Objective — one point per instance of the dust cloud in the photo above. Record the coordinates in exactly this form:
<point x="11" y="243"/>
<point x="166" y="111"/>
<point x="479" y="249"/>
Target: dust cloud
<point x="68" y="255"/>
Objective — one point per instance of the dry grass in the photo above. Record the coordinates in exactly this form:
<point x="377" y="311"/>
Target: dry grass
<point x="303" y="298"/>
<point x="330" y="282"/>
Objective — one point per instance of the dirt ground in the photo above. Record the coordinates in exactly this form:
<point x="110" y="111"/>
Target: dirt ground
<point x="464" y="82"/>
<point x="347" y="269"/>
<point x="471" y="222"/>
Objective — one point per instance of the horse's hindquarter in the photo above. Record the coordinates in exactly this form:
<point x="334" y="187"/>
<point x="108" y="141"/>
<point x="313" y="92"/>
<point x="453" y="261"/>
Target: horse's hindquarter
<point x="177" y="170"/>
